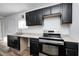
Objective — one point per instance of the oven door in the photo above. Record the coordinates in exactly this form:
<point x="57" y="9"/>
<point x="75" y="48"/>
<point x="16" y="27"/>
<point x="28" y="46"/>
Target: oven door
<point x="51" y="49"/>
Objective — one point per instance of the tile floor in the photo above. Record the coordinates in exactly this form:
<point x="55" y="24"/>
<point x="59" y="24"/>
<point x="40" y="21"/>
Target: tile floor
<point x="6" y="51"/>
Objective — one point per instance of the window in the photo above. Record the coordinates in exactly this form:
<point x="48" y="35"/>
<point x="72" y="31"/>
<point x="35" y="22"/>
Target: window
<point x="22" y="24"/>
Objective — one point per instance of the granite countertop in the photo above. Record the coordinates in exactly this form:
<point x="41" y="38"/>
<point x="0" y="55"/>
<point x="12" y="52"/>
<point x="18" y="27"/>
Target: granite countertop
<point x="29" y="35"/>
<point x="66" y="38"/>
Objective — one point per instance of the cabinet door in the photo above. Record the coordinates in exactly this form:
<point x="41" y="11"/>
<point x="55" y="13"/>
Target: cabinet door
<point x="17" y="43"/>
<point x="71" y="45"/>
<point x="71" y="52"/>
<point x="55" y="9"/>
<point x="71" y="48"/>
<point x="46" y="11"/>
<point x="32" y="18"/>
<point x="28" y="20"/>
<point x="14" y="42"/>
<point x="66" y="13"/>
<point x="34" y="50"/>
<point x="39" y="19"/>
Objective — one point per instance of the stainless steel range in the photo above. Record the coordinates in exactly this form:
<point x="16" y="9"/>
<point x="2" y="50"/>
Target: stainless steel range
<point x="51" y="44"/>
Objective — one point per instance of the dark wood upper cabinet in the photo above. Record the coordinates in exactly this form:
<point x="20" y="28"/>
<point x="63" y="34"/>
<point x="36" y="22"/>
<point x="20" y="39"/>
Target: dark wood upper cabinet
<point x="33" y="18"/>
<point x="39" y="19"/>
<point x="46" y="11"/>
<point x="30" y="18"/>
<point x="36" y="17"/>
<point x="28" y="23"/>
<point x="55" y="9"/>
<point x="66" y="13"/>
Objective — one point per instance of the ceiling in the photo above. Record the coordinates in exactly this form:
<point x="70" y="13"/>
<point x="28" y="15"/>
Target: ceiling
<point x="7" y="9"/>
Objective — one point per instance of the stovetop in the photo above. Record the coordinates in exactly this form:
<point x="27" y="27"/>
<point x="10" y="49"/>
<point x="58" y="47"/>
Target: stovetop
<point x="57" y="35"/>
<point x="52" y="36"/>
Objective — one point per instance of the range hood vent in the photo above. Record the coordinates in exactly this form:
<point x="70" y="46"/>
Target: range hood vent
<point x="52" y="15"/>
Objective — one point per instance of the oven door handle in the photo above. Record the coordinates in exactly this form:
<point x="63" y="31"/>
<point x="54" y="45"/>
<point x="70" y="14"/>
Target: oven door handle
<point x="51" y="42"/>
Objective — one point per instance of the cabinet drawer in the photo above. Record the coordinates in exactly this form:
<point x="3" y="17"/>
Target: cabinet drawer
<point x="34" y="39"/>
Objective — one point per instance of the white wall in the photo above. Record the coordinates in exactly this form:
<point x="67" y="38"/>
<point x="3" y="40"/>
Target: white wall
<point x="10" y="24"/>
<point x="75" y="22"/>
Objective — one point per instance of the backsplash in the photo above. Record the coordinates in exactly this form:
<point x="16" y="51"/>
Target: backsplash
<point x="54" y="25"/>
<point x="33" y="29"/>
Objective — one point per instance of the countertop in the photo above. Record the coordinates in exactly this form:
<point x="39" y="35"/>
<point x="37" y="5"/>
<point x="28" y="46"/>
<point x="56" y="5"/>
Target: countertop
<point x="66" y="38"/>
<point x="29" y="35"/>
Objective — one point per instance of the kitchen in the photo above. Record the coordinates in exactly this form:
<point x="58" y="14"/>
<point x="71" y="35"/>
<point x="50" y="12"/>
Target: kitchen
<point x="51" y="29"/>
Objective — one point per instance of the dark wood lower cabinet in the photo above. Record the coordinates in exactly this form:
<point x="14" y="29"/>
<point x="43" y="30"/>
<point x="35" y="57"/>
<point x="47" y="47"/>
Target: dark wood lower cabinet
<point x="71" y="49"/>
<point x="71" y="52"/>
<point x="14" y="42"/>
<point x="34" y="49"/>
